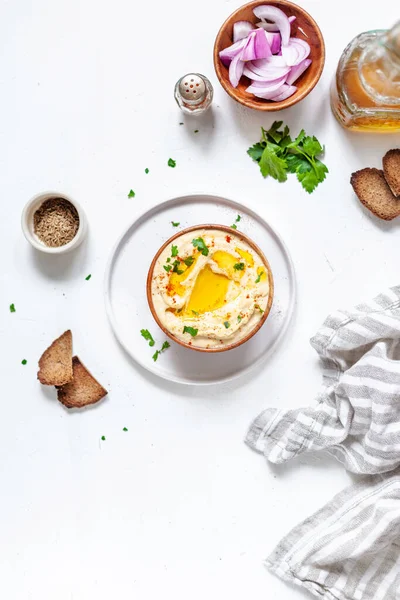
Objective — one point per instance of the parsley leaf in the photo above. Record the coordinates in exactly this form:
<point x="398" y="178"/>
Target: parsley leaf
<point x="23" y="362"/>
<point x="195" y="313"/>
<point x="168" y="259"/>
<point x="174" y="224"/>
<point x="176" y="264"/>
<point x="147" y="336"/>
<point x="171" y="163"/>
<point x="259" y="308"/>
<point x="238" y="218"/>
<point x="227" y="324"/>
<point x="125" y="429"/>
<point x="87" y="278"/>
<point x="239" y="318"/>
<point x="234" y="226"/>
<point x="146" y="170"/>
<point x="157" y="353"/>
<point x="192" y="330"/>
<point x="103" y="437"/>
<point x="277" y="154"/>
<point x="196" y="131"/>
<point x="238" y="266"/>
<point x="200" y="244"/>
<point x="189" y="261"/>
<point x="167" y="268"/>
<point x="259" y="276"/>
<point x="12" y="308"/>
<point x="131" y="194"/>
<point x="174" y="250"/>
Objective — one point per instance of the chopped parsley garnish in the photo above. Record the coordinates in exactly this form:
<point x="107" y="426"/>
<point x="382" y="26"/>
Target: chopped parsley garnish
<point x="258" y="307"/>
<point x="103" y="437"/>
<point x="189" y="261"/>
<point x="131" y="194"/>
<point x="88" y="277"/>
<point x="238" y="266"/>
<point x="181" y="123"/>
<point x="195" y="313"/>
<point x="176" y="270"/>
<point x="171" y="163"/>
<point x="125" y="429"/>
<point x="174" y="250"/>
<point x="200" y="244"/>
<point x="146" y="170"/>
<point x="168" y="259"/>
<point x="227" y="324"/>
<point x="196" y="131"/>
<point x="175" y="224"/>
<point x="192" y="330"/>
<point x="234" y="226"/>
<point x="147" y="336"/>
<point x="239" y="318"/>
<point x="238" y="219"/>
<point x="12" y="308"/>
<point x="277" y="155"/>
<point x="165" y="346"/>
<point x="259" y="277"/>
<point x="167" y="268"/>
<point x="23" y="362"/>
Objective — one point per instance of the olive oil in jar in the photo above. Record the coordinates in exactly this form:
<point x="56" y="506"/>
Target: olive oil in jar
<point x="365" y="94"/>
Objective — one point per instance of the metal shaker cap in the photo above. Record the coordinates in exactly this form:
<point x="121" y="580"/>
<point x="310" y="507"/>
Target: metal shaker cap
<point x="192" y="88"/>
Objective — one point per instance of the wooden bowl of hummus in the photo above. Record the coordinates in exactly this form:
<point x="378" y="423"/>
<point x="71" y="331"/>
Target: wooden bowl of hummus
<point x="210" y="288"/>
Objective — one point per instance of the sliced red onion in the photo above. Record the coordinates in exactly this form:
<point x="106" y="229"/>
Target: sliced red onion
<point x="266" y="75"/>
<point x="271" y="26"/>
<point x="256" y="46"/>
<point x="295" y="52"/>
<point x="241" y="30"/>
<point x="287" y="91"/>
<point x="236" y="70"/>
<point x="298" y="70"/>
<point x="258" y="87"/>
<point x="276" y="61"/>
<point x="229" y="53"/>
<point x="274" y="41"/>
<point x="278" y="17"/>
<point x="268" y="94"/>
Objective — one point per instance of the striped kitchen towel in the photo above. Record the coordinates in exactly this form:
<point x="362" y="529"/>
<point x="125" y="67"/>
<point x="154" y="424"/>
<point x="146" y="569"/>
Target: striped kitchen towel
<point x="349" y="550"/>
<point x="357" y="414"/>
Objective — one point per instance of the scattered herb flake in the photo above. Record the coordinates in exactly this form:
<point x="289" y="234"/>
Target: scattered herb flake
<point x="259" y="277"/>
<point x="239" y="318"/>
<point x="196" y="131"/>
<point x="168" y="259"/>
<point x="103" y="437"/>
<point x="167" y="268"/>
<point x="195" y="313"/>
<point x="181" y="123"/>
<point x="258" y="307"/>
<point x="155" y="355"/>
<point x="200" y="244"/>
<point x="277" y="154"/>
<point x="238" y="266"/>
<point x="234" y="226"/>
<point x="165" y="346"/>
<point x="189" y="261"/>
<point x="125" y="429"/>
<point x="147" y="336"/>
<point x="175" y="224"/>
<point x="227" y="324"/>
<point x="174" y="250"/>
<point x="146" y="171"/>
<point x="23" y="362"/>
<point x="88" y="277"/>
<point x="131" y="194"/>
<point x="176" y="269"/>
<point x="171" y="163"/>
<point x="12" y="308"/>
<point x="238" y="218"/>
<point x="192" y="330"/>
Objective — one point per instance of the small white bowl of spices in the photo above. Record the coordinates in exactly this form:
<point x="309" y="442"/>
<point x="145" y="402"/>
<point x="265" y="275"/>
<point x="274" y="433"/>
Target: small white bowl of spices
<point x="53" y="223"/>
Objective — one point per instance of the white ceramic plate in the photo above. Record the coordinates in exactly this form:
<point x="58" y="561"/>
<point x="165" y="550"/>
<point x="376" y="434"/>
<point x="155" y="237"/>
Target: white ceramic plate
<point x="126" y="301"/>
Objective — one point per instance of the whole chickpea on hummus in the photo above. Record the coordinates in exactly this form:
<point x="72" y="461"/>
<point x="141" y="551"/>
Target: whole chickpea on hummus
<point x="210" y="288"/>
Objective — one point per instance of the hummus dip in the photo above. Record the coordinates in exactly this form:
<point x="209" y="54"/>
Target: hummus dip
<point x="210" y="288"/>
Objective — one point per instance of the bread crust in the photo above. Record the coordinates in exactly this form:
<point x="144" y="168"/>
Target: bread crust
<point x="83" y="390"/>
<point x="374" y="193"/>
<point x="391" y="169"/>
<point x="55" y="364"/>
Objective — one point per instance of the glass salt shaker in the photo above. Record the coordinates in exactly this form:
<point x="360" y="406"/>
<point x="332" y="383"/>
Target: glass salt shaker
<point x="194" y="93"/>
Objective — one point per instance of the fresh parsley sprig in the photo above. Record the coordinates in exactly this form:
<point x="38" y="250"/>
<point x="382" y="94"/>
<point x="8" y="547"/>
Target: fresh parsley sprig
<point x="277" y="155"/>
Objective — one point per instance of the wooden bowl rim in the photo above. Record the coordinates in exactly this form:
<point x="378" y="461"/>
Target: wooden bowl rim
<point x="253" y="245"/>
<point x="266" y="105"/>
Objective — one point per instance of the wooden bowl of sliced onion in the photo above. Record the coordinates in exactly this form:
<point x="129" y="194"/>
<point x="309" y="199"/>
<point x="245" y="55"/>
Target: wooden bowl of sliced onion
<point x="269" y="55"/>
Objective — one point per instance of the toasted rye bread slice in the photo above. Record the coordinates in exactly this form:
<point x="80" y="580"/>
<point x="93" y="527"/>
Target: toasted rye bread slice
<point x="55" y="364"/>
<point x="82" y="390"/>
<point x="373" y="191"/>
<point x="391" y="170"/>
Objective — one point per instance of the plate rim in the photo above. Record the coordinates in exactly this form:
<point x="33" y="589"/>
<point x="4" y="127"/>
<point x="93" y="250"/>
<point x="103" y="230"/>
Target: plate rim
<point x="211" y="198"/>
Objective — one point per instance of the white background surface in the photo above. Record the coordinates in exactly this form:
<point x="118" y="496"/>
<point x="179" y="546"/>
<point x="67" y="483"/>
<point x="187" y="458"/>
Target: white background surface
<point x="177" y="506"/>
